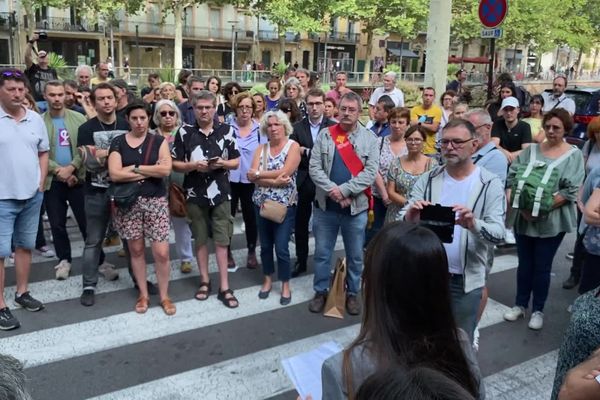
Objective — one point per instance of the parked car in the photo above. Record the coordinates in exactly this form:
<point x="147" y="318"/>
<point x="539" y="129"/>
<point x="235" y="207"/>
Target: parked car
<point x="586" y="107"/>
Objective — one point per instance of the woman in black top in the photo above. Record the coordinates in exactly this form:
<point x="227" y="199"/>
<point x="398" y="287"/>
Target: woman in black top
<point x="224" y="109"/>
<point x="506" y="90"/>
<point x="141" y="157"/>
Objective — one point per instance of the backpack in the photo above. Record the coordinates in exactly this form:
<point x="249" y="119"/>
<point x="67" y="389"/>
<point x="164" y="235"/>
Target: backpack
<point x="535" y="184"/>
<point x="524" y="98"/>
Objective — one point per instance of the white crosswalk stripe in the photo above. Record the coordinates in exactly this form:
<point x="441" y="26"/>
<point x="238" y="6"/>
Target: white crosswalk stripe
<point x="257" y="375"/>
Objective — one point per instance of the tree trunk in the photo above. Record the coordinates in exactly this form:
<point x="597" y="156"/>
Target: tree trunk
<point x="178" y="48"/>
<point x="281" y="33"/>
<point x="578" y="64"/>
<point x="595" y="65"/>
<point x="368" y="55"/>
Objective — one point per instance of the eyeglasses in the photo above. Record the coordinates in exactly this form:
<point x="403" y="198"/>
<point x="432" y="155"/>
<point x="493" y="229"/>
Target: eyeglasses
<point x="456" y="143"/>
<point x="245" y="107"/>
<point x="16" y="74"/>
<point x="285" y="110"/>
<point x="234" y="92"/>
<point x="482" y="125"/>
<point x="169" y="113"/>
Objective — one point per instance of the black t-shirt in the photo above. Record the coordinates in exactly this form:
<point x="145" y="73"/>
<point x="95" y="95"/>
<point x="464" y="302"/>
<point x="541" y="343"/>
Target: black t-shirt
<point x="183" y="92"/>
<point x="38" y="78"/>
<point x="150" y="187"/>
<point x="206" y="188"/>
<point x="512" y="139"/>
<point x="95" y="133"/>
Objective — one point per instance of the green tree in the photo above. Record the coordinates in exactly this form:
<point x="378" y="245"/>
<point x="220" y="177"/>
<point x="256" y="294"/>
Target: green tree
<point x="403" y="17"/>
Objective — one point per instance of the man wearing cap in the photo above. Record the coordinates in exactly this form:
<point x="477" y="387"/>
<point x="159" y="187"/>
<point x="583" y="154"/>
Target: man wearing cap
<point x="558" y="98"/>
<point x="38" y="74"/>
<point x="510" y="134"/>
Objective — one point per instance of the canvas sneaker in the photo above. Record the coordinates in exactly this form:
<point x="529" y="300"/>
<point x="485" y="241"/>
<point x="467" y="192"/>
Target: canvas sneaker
<point x="27" y="302"/>
<point x="62" y="270"/>
<point x="108" y="271"/>
<point x="46" y="251"/>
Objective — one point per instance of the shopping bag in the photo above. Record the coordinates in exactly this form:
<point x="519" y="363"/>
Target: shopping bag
<point x="336" y="299"/>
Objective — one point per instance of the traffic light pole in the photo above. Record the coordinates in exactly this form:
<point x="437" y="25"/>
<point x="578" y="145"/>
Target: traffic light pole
<point x="490" y="83"/>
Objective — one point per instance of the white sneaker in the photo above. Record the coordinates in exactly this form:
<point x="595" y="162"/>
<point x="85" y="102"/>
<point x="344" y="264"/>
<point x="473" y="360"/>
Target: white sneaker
<point x="46" y="251"/>
<point x="62" y="270"/>
<point x="476" y="338"/>
<point x="537" y="321"/>
<point x="514" y="313"/>
<point x="108" y="271"/>
<point x="509" y="237"/>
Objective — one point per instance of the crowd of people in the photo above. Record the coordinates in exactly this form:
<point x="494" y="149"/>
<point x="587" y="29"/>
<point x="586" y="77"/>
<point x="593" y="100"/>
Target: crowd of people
<point x="190" y="155"/>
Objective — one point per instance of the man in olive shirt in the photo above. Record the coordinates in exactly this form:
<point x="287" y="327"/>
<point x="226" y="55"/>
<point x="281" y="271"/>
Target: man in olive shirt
<point x="510" y="134"/>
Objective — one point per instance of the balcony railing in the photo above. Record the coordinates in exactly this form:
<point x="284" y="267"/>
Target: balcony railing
<point x="67" y="25"/>
<point x="4" y="21"/>
<point x="346" y="37"/>
<point x="274" y="36"/>
<point x="145" y="28"/>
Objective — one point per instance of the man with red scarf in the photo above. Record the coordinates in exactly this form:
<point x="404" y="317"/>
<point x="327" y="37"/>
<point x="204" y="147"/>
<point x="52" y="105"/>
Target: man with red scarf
<point x="343" y="165"/>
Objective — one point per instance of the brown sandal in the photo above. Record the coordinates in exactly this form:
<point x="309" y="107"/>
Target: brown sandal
<point x="141" y="306"/>
<point x="203" y="291"/>
<point x="168" y="306"/>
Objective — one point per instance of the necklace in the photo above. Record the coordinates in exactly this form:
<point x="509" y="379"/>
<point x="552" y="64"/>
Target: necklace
<point x="114" y="124"/>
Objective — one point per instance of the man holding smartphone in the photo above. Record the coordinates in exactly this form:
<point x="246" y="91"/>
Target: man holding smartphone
<point x="477" y="199"/>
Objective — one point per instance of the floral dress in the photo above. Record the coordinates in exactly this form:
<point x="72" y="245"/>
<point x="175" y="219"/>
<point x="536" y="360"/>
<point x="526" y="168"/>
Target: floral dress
<point x="386" y="157"/>
<point x="285" y="195"/>
<point x="404" y="183"/>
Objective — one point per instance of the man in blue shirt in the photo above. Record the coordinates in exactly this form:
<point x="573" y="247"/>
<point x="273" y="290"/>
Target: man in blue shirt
<point x="487" y="156"/>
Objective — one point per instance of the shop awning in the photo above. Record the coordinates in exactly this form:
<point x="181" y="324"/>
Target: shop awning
<point x="404" y="53"/>
<point x="472" y="60"/>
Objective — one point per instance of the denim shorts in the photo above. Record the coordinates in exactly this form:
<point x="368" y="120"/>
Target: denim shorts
<point x="19" y="221"/>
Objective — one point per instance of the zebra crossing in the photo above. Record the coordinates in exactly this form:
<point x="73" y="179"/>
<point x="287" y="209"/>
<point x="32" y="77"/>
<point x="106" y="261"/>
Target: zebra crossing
<point x="205" y="351"/>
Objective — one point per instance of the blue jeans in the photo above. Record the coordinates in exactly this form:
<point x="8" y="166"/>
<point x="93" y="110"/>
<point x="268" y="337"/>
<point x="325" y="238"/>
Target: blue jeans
<point x="379" y="210"/>
<point x="465" y="306"/>
<point x="326" y="225"/>
<point x="19" y="222"/>
<point x="535" y="264"/>
<point x="276" y="235"/>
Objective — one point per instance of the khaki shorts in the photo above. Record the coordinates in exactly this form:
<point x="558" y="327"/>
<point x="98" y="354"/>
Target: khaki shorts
<point x="218" y="218"/>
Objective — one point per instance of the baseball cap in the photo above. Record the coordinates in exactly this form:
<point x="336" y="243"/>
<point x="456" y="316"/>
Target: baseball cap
<point x="509" y="102"/>
<point x="120" y="83"/>
<point x="42" y="53"/>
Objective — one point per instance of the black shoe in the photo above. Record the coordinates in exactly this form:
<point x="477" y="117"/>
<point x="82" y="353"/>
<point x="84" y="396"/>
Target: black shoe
<point x="299" y="268"/>
<point x="27" y="302"/>
<point x="284" y="301"/>
<point x="571" y="282"/>
<point x="317" y="304"/>
<point x="264" y="295"/>
<point x="7" y="320"/>
<point x="87" y="298"/>
<point x="152" y="289"/>
<point x="352" y="305"/>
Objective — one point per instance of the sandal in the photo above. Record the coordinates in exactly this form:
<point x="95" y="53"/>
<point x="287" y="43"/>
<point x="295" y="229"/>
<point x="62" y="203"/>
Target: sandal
<point x="229" y="302"/>
<point x="141" y="306"/>
<point x="168" y="306"/>
<point x="203" y="291"/>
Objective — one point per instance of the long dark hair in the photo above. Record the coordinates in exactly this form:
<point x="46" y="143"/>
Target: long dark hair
<point x="407" y="318"/>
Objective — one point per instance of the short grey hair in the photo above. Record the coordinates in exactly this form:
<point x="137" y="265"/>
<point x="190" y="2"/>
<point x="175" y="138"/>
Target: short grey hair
<point x="83" y="67"/>
<point x="293" y="82"/>
<point x="391" y="74"/>
<point x="281" y="117"/>
<point x="203" y="95"/>
<point x="352" y="96"/>
<point x="170" y="103"/>
<point x="12" y="379"/>
<point x="482" y="116"/>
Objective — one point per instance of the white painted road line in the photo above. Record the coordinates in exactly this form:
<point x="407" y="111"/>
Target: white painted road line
<point x="254" y="376"/>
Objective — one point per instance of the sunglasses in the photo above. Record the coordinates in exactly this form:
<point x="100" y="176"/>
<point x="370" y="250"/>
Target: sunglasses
<point x="285" y="110"/>
<point x="169" y="113"/>
<point x="16" y="74"/>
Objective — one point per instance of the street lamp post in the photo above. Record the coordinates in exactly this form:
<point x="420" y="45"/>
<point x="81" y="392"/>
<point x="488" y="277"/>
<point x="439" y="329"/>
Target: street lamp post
<point x="233" y="23"/>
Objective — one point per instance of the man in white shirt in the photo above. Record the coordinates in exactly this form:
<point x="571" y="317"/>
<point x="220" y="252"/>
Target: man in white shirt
<point x="389" y="88"/>
<point x="558" y="98"/>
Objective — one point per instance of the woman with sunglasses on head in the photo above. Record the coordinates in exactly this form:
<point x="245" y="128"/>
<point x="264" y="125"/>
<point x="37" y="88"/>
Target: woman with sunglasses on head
<point x="404" y="171"/>
<point x="138" y="156"/>
<point x="407" y="319"/>
<point x="248" y="138"/>
<point x="274" y="88"/>
<point x="535" y="119"/>
<point x="167" y="118"/>
<point x="224" y="110"/>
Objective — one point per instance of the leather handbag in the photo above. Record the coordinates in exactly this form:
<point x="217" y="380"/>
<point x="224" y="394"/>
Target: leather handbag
<point x="591" y="240"/>
<point x="124" y="195"/>
<point x="271" y="209"/>
<point x="177" y="206"/>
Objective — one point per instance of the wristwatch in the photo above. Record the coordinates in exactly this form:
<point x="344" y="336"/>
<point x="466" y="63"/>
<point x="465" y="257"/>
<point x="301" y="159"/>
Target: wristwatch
<point x="136" y="169"/>
<point x="257" y="174"/>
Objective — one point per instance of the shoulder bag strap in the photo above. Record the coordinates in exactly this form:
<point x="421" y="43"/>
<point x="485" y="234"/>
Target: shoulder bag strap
<point x="265" y="156"/>
<point x="148" y="148"/>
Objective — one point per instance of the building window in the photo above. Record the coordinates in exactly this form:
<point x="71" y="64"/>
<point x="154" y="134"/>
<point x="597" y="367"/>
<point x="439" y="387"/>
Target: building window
<point x="215" y="22"/>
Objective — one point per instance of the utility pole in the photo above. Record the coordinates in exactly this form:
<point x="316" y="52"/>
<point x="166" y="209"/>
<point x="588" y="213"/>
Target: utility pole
<point x="438" y="42"/>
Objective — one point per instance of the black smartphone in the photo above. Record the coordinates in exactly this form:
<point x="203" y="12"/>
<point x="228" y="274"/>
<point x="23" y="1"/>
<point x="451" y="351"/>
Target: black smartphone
<point x="440" y="219"/>
<point x="213" y="159"/>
